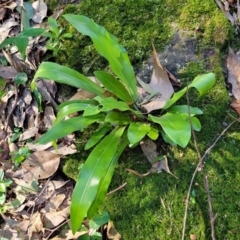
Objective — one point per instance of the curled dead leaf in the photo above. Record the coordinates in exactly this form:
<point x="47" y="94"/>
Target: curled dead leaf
<point x="233" y="66"/>
<point x="53" y="219"/>
<point x="160" y="87"/>
<point x="159" y="163"/>
<point x="235" y="104"/>
<point x="40" y="11"/>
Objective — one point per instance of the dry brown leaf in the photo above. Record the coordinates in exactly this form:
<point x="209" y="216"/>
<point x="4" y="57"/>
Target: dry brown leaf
<point x="112" y="232"/>
<point x="10" y="233"/>
<point x="2" y="13"/>
<point x="53" y="219"/>
<point x="4" y="151"/>
<point x="39" y="165"/>
<point x="17" y="63"/>
<point x="13" y="147"/>
<point x="233" y="65"/>
<point x="64" y="149"/>
<point x="8" y="24"/>
<point x="28" y="134"/>
<point x="49" y="117"/>
<point x="7" y="72"/>
<point x="66" y="234"/>
<point x="149" y="149"/>
<point x="54" y="185"/>
<point x="54" y="203"/>
<point x="19" y="114"/>
<point x="4" y="101"/>
<point x="40" y="11"/>
<point x="82" y="94"/>
<point x="235" y="104"/>
<point x="36" y="224"/>
<point x="38" y="147"/>
<point x="27" y="96"/>
<point x="161" y="83"/>
<point x="11" y="5"/>
<point x="46" y="95"/>
<point x="193" y="237"/>
<point x="30" y="117"/>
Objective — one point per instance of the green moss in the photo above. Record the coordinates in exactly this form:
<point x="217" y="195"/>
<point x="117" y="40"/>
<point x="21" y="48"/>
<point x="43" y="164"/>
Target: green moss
<point x="207" y="21"/>
<point x="52" y="4"/>
<point x="134" y="23"/>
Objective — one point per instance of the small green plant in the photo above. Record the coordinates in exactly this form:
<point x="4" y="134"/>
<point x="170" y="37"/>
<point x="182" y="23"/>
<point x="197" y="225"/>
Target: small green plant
<point x="19" y="156"/>
<point x="16" y="134"/>
<point x="56" y="36"/>
<point x="4" y="184"/>
<point x="119" y="116"/>
<point x="22" y="40"/>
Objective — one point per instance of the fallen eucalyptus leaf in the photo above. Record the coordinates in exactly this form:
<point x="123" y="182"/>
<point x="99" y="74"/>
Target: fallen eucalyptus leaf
<point x="159" y="83"/>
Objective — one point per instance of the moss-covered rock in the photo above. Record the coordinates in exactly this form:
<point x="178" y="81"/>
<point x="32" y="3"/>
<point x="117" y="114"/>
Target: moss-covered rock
<point x="136" y="24"/>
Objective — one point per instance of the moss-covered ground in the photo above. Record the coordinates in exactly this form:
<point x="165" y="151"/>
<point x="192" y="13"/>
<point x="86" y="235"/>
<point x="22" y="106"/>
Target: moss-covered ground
<point x="153" y="207"/>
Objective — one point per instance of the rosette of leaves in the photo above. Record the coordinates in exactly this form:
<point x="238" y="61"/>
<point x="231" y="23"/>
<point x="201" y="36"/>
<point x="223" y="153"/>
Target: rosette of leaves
<point x="117" y="110"/>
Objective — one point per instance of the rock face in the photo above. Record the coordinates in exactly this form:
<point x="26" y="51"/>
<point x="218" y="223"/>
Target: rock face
<point x="181" y="51"/>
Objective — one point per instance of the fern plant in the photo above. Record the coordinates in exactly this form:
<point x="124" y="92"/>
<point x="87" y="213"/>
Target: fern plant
<point x="117" y="110"/>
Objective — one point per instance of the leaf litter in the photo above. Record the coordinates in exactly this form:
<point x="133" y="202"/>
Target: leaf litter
<point x="38" y="199"/>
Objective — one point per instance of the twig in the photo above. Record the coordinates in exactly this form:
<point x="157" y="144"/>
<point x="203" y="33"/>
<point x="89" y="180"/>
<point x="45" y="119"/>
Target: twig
<point x="212" y="217"/>
<point x="115" y="190"/>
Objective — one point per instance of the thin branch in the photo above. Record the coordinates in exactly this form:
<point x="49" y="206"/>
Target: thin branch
<point x="115" y="190"/>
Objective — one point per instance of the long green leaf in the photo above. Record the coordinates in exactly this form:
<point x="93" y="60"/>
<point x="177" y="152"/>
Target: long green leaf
<point x="97" y="136"/>
<point x="185" y="109"/>
<point x="175" y="126"/>
<point x="7" y="41"/>
<point x="94" y="169"/>
<point x="32" y="32"/>
<point x="196" y="125"/>
<point x="69" y="109"/>
<point x="118" y="118"/>
<point x="202" y="83"/>
<point x="85" y="101"/>
<point x="62" y="74"/>
<point x="113" y="85"/>
<point x="66" y="127"/>
<point x="105" y="181"/>
<point x="108" y="46"/>
<point x="91" y="110"/>
<point x="153" y="133"/>
<point x="22" y="43"/>
<point x="137" y="131"/>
